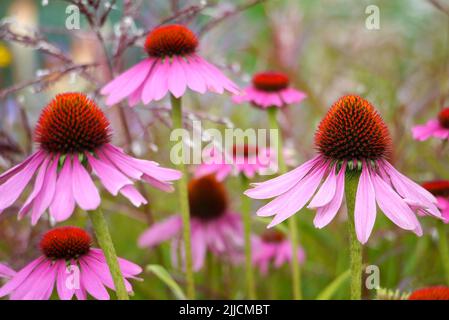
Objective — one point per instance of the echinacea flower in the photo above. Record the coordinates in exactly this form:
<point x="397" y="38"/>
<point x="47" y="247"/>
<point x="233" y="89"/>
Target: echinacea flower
<point x="242" y="159"/>
<point x="6" y="272"/>
<point x="430" y="293"/>
<point x="214" y="227"/>
<point x="69" y="262"/>
<point x="270" y="89"/>
<point x="440" y="189"/>
<point x="273" y="247"/>
<point x="351" y="137"/>
<point x="73" y="136"/>
<point x="172" y="66"/>
<point x="438" y="128"/>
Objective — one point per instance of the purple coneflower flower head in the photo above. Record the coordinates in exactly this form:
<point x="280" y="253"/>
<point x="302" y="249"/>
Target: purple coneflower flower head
<point x="246" y="159"/>
<point x="273" y="248"/>
<point x="270" y="89"/>
<point x="430" y="293"/>
<point x="351" y="137"/>
<point x="214" y="226"/>
<point x="440" y="189"/>
<point x="6" y="272"/>
<point x="172" y="66"/>
<point x="73" y="136"/>
<point x="437" y="128"/>
<point x="70" y="263"/>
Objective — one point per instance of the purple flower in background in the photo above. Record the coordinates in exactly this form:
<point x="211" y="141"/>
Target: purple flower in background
<point x="437" y="128"/>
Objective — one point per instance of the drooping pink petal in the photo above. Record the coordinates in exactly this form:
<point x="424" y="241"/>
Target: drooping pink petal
<point x="38" y="184"/>
<point x="14" y="186"/>
<point x="6" y="272"/>
<point x="392" y="205"/>
<point x="126" y="83"/>
<point x="46" y="194"/>
<point x="128" y="268"/>
<point x="30" y="288"/>
<point x="194" y="79"/>
<point x="177" y="82"/>
<point x="160" y="80"/>
<point x="84" y="190"/>
<point x="163" y="186"/>
<point x="131" y="193"/>
<point x="18" y="167"/>
<point x="160" y="232"/>
<point x="65" y="289"/>
<point x="291" y="95"/>
<point x="218" y="75"/>
<point x="296" y="198"/>
<point x="365" y="206"/>
<point x="109" y="153"/>
<point x="103" y="273"/>
<point x="92" y="283"/>
<point x="63" y="202"/>
<point x="198" y="249"/>
<point x="327" y="190"/>
<point x="423" y="132"/>
<point x="112" y="179"/>
<point x="327" y="213"/>
<point x="279" y="185"/>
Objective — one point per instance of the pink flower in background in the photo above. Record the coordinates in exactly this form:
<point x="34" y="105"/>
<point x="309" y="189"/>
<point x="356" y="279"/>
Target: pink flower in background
<point x="214" y="227"/>
<point x="352" y="137"/>
<point x="6" y="272"/>
<point x="440" y="189"/>
<point x="69" y="262"/>
<point x="270" y="89"/>
<point x="245" y="159"/>
<point x="437" y="128"/>
<point x="74" y="140"/>
<point x="172" y="66"/>
<point x="272" y="247"/>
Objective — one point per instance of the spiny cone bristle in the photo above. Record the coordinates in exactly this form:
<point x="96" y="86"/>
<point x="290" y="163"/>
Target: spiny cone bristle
<point x="443" y="117"/>
<point x="431" y="293"/>
<point x="437" y="187"/>
<point x="208" y="198"/>
<point x="65" y="243"/>
<point x="353" y="130"/>
<point x="171" y="40"/>
<point x="270" y="81"/>
<point x="273" y="235"/>
<point x="72" y="123"/>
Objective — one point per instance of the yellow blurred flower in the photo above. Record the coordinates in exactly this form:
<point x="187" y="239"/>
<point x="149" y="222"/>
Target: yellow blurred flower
<point x="5" y="56"/>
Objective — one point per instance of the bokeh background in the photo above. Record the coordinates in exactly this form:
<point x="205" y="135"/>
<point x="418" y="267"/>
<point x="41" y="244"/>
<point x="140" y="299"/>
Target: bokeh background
<point x="323" y="46"/>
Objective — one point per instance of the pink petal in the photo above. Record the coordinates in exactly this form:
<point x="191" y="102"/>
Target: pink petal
<point x="14" y="186"/>
<point x="326" y="192"/>
<point x="198" y="249"/>
<point x="177" y="82"/>
<point x="365" y="206"/>
<point x="423" y="132"/>
<point x="64" y="292"/>
<point x="194" y="79"/>
<point x="160" y="232"/>
<point x="92" y="283"/>
<point x="131" y="193"/>
<point x="63" y="202"/>
<point x="325" y="214"/>
<point x="112" y="179"/>
<point x="19" y="167"/>
<point x="84" y="190"/>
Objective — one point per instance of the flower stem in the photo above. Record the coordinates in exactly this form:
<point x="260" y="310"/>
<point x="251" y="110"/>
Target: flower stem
<point x="104" y="240"/>
<point x="292" y="225"/>
<point x="184" y="203"/>
<point x="443" y="247"/>
<point x="355" y="247"/>
<point x="246" y="212"/>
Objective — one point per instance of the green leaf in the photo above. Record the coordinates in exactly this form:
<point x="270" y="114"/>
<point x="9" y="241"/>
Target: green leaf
<point x="166" y="278"/>
<point x="332" y="288"/>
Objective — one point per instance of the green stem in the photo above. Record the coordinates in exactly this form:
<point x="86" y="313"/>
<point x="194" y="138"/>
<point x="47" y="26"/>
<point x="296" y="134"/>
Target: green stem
<point x="443" y="247"/>
<point x="104" y="240"/>
<point x="184" y="203"/>
<point x="355" y="247"/>
<point x="292" y="225"/>
<point x="246" y="212"/>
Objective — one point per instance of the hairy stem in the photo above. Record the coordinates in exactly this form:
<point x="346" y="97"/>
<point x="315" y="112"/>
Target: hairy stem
<point x="184" y="203"/>
<point x="355" y="247"/>
<point x="104" y="240"/>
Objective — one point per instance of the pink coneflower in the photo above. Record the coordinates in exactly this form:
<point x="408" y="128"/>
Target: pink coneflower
<point x="352" y="137"/>
<point x="246" y="159"/>
<point x="74" y="140"/>
<point x="438" y="128"/>
<point x="440" y="189"/>
<point x="68" y="261"/>
<point x="273" y="247"/>
<point x="172" y="66"/>
<point x="430" y="293"/>
<point x="6" y="272"/>
<point x="270" y="89"/>
<point x="214" y="227"/>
